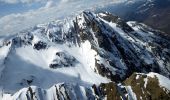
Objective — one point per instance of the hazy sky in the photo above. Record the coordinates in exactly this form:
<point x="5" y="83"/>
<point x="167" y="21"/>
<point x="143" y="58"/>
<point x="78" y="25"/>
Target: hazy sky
<point x="16" y="15"/>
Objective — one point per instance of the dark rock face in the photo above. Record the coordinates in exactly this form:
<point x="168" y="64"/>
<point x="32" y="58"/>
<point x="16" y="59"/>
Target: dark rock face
<point x="106" y="72"/>
<point x="40" y="45"/>
<point x="26" y="39"/>
<point x="63" y="59"/>
<point x="28" y="81"/>
<point x="110" y="90"/>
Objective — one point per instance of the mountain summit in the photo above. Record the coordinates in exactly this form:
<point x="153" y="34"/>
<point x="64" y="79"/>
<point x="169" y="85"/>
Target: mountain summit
<point x="91" y="56"/>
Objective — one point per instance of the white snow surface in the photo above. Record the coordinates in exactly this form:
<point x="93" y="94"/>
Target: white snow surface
<point x="74" y="91"/>
<point x="146" y="81"/>
<point x="132" y="95"/>
<point x="26" y="63"/>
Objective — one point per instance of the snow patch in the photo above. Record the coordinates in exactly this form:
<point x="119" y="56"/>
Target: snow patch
<point x="145" y="80"/>
<point x="163" y="81"/>
<point x="132" y="95"/>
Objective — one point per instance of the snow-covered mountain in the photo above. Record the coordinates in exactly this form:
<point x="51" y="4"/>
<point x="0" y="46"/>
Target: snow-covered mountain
<point x="69" y="59"/>
<point x="154" y="13"/>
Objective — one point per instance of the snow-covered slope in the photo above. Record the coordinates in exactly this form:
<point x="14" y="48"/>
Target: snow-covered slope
<point x="138" y="86"/>
<point x="56" y="92"/>
<point x="154" y="13"/>
<point x="77" y="53"/>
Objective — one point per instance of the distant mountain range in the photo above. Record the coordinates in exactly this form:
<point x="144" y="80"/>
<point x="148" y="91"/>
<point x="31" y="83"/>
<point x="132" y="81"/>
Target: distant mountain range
<point x="155" y="13"/>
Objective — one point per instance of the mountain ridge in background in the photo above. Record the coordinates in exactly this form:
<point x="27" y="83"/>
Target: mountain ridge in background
<point x="154" y="13"/>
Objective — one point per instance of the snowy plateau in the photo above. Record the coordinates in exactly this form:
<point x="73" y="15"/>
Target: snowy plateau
<point x="94" y="56"/>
